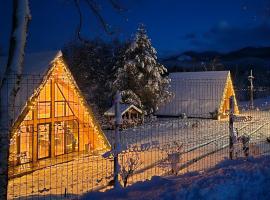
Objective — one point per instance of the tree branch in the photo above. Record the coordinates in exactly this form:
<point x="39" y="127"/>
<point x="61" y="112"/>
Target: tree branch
<point x="93" y="6"/>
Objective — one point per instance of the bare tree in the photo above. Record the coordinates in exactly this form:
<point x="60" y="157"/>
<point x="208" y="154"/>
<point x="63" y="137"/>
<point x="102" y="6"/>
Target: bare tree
<point x="173" y="154"/>
<point x="10" y="82"/>
<point x="131" y="163"/>
<point x="95" y="8"/>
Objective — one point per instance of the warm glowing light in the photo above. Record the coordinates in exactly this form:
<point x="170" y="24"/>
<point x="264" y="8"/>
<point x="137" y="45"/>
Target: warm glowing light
<point x="58" y="91"/>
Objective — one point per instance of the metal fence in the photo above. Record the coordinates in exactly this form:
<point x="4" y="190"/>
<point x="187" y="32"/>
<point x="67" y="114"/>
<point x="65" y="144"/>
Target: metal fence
<point x="57" y="149"/>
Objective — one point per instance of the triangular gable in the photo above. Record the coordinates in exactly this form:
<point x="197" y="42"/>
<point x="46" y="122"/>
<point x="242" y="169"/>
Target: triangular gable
<point x="131" y="106"/>
<point x="123" y="109"/>
<point x="32" y="101"/>
<point x="227" y="92"/>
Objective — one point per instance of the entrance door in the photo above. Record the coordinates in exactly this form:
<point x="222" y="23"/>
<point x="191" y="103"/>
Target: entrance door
<point x="44" y="140"/>
<point x="71" y="136"/>
<point x="66" y="137"/>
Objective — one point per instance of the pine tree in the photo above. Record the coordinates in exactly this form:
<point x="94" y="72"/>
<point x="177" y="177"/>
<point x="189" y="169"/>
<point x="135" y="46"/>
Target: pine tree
<point x="140" y="77"/>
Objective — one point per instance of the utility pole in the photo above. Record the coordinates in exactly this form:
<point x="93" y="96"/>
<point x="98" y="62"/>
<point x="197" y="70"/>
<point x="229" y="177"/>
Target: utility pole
<point x="250" y="78"/>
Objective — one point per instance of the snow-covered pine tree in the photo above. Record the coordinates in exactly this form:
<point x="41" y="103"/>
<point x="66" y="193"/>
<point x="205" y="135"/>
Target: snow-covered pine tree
<point x="140" y="77"/>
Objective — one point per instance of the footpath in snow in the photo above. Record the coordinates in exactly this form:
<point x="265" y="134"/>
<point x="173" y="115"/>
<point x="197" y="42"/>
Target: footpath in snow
<point x="230" y="179"/>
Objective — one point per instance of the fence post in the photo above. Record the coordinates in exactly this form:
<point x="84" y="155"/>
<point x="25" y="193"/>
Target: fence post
<point x="231" y="118"/>
<point x="117" y="146"/>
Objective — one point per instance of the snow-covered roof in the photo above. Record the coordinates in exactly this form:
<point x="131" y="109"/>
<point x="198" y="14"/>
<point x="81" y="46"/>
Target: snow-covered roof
<point x="35" y="67"/>
<point x="203" y="75"/>
<point x="195" y="93"/>
<point x="123" y="109"/>
<point x="34" y="63"/>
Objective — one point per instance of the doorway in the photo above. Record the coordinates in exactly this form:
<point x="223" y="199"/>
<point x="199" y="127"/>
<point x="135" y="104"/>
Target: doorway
<point x="66" y="137"/>
<point x="44" y="140"/>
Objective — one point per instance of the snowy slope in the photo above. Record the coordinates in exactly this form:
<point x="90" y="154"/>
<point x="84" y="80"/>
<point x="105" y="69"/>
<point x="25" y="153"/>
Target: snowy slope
<point x="260" y="103"/>
<point x="237" y="179"/>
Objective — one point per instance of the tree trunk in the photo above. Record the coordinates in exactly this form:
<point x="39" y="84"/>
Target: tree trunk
<point x="10" y="83"/>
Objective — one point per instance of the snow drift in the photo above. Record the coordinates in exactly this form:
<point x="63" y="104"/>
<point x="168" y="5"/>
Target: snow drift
<point x="231" y="179"/>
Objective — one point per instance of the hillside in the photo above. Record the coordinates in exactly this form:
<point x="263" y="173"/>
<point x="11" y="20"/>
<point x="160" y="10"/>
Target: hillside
<point x="259" y="56"/>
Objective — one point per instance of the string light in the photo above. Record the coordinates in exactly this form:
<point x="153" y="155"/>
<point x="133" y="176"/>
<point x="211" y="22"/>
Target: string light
<point x="58" y="67"/>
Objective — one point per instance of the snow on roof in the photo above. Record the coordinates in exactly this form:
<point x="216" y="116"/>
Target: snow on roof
<point x="38" y="63"/>
<point x="35" y="67"/>
<point x="194" y="93"/>
<point x="123" y="108"/>
<point x="34" y="63"/>
<point x="204" y="75"/>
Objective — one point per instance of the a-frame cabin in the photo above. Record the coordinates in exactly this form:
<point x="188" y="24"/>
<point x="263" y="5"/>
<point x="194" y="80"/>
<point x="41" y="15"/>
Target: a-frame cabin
<point x="52" y="117"/>
<point x="199" y="94"/>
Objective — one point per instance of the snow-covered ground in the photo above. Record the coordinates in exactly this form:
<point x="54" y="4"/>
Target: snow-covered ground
<point x="205" y="143"/>
<point x="230" y="179"/>
<point x="260" y="103"/>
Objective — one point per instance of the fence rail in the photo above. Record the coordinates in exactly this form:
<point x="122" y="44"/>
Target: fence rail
<point x="57" y="146"/>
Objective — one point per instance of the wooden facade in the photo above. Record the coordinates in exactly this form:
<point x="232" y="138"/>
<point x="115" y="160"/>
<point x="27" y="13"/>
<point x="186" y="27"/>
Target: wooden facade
<point x="56" y="120"/>
<point x="224" y="106"/>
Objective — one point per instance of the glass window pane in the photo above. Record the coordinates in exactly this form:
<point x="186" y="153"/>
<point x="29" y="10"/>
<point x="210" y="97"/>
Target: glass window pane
<point x="59" y="138"/>
<point x="68" y="110"/>
<point x="26" y="143"/>
<point x="44" y="110"/>
<point x="29" y="115"/>
<point x="58" y="94"/>
<point x="66" y="137"/>
<point x="13" y="150"/>
<point x="59" y="109"/>
<point x="71" y="136"/>
<point x="43" y="140"/>
<point x="45" y="93"/>
<point x="62" y="109"/>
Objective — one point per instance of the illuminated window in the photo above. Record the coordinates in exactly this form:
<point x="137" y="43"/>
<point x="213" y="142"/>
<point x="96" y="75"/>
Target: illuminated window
<point x="45" y="93"/>
<point x="61" y="105"/>
<point x="62" y="109"/>
<point x="44" y="102"/>
<point x="71" y="136"/>
<point x="26" y="143"/>
<point x="29" y="115"/>
<point x="43" y="140"/>
<point x="58" y="93"/>
<point x="59" y="109"/>
<point x="66" y="137"/>
<point x="44" y="110"/>
<point x="13" y="151"/>
<point x="59" y="138"/>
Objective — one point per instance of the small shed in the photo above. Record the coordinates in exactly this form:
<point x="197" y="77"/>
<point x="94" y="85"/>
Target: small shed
<point x="199" y="94"/>
<point x="131" y="115"/>
<point x="51" y="116"/>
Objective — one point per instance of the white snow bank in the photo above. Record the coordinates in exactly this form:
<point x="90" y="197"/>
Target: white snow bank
<point x="236" y="179"/>
<point x="261" y="103"/>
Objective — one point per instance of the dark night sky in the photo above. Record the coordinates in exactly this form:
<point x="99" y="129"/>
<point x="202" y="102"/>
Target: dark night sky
<point x="173" y="25"/>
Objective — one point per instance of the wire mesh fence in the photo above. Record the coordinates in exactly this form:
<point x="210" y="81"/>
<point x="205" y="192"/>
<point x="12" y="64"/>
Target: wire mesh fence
<point x="57" y="145"/>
